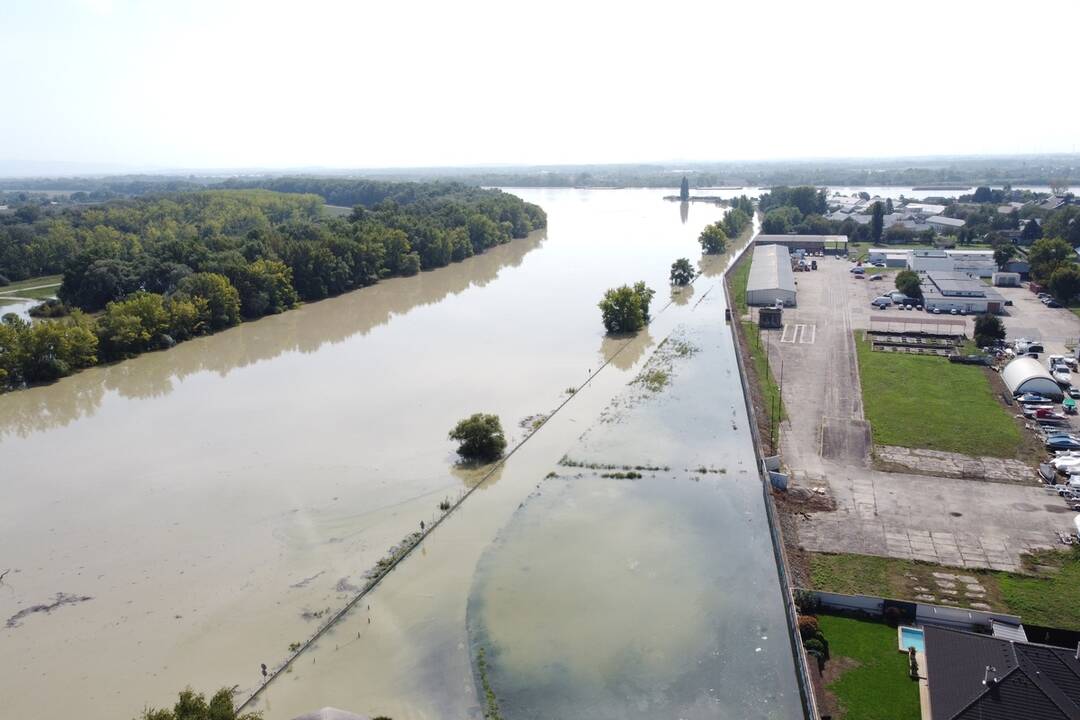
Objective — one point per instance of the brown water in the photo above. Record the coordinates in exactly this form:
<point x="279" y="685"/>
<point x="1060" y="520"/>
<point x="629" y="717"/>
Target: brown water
<point x="210" y="500"/>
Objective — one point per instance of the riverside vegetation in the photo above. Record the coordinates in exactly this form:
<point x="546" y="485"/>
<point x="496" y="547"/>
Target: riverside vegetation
<point x="162" y="269"/>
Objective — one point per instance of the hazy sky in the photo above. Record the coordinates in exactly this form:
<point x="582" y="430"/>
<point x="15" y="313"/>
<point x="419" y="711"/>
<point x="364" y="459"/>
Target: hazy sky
<point x="238" y="83"/>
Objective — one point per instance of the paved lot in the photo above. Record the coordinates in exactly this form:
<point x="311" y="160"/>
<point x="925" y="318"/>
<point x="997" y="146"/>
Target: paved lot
<point x="826" y="441"/>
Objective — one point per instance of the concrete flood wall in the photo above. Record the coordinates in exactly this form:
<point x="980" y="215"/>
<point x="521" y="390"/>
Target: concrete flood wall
<point x="942" y="615"/>
<point x="802" y="671"/>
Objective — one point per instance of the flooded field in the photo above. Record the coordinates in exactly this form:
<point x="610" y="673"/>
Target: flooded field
<point x="182" y="517"/>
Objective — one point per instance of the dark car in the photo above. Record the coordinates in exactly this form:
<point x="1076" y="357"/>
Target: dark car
<point x="1051" y="303"/>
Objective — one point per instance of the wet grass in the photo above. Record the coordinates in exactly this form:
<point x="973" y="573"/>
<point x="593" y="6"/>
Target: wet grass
<point x="878" y="686"/>
<point x="926" y="402"/>
<point x="1049" y="595"/>
<point x="491" y="710"/>
<point x="654" y="380"/>
<point x="568" y="461"/>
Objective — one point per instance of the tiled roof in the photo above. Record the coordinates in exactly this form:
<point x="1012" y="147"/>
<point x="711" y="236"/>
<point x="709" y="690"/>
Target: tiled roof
<point x="1035" y="682"/>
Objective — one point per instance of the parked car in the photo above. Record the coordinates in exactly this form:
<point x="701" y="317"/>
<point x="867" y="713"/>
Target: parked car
<point x="1052" y="303"/>
<point x="857" y="270"/>
<point x="1074" y="393"/>
<point x="874" y="277"/>
<point x="936" y="311"/>
<point x="881" y="303"/>
<point x="1062" y="442"/>
<point x="859" y="276"/>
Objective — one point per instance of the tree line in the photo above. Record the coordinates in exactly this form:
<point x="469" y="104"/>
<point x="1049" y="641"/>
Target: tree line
<point x="159" y="270"/>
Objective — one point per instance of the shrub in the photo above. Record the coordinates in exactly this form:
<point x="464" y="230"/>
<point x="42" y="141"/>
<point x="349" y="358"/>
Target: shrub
<point x="893" y="616"/>
<point x="808" y="626"/>
<point x="480" y="437"/>
<point x="713" y="239"/>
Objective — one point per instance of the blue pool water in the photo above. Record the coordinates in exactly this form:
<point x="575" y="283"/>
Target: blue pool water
<point x="911" y="637"/>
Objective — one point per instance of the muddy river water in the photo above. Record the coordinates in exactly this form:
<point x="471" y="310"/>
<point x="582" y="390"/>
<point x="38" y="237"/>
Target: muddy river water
<point x="185" y="516"/>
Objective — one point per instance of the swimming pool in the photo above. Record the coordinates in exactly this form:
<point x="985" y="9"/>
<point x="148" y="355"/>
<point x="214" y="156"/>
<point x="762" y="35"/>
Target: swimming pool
<point x="911" y="637"/>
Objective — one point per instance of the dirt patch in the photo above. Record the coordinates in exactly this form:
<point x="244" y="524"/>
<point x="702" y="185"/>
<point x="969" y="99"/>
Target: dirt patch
<point x="791" y="506"/>
<point x="757" y="399"/>
<point x="834" y="669"/>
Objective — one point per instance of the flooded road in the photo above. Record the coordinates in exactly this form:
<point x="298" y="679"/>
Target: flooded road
<point x="182" y="517"/>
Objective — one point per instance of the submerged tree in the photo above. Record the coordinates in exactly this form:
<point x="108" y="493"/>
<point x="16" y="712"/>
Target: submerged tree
<point x="681" y="272"/>
<point x="480" y="437"/>
<point x="625" y="308"/>
<point x="713" y="239"/>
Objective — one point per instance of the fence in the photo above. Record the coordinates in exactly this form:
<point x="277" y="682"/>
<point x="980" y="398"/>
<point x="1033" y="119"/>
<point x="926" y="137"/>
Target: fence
<point x="943" y="615"/>
<point x="802" y="672"/>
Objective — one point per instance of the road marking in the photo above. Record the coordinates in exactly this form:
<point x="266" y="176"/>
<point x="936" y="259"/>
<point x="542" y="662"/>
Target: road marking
<point x="802" y="333"/>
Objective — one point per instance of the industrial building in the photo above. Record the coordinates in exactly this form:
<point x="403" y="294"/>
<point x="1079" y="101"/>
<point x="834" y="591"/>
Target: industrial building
<point x="975" y="262"/>
<point x="828" y="244"/>
<point x="1026" y="374"/>
<point x="948" y="291"/>
<point x="771" y="279"/>
<point x="890" y="258"/>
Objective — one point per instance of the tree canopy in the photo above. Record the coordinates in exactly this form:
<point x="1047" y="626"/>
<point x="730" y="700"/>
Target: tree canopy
<point x="625" y="308"/>
<point x="713" y="238"/>
<point x="164" y="268"/>
<point x="480" y="437"/>
<point x="1046" y="256"/>
<point x="682" y="272"/>
<point x="907" y="282"/>
<point x="684" y="189"/>
<point x="194" y="706"/>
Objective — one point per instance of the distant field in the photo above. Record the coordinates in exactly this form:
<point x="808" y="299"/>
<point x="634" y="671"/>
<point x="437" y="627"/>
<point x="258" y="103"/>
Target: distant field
<point x="37" y="288"/>
<point x="926" y="402"/>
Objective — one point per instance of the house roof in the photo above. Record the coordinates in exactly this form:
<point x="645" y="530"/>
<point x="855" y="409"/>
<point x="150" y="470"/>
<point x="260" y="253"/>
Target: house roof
<point x="1026" y="680"/>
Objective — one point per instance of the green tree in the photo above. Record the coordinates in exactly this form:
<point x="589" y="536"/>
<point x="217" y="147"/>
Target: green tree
<point x="1046" y="256"/>
<point x="1065" y="283"/>
<point x="129" y="327"/>
<point x="222" y="299"/>
<point x="480" y="437"/>
<point x="713" y="239"/>
<point x="1003" y="254"/>
<point x="684" y="189"/>
<point x="907" y="282"/>
<point x="988" y="329"/>
<point x="625" y="308"/>
<point x="193" y="706"/>
<point x="1032" y="231"/>
<point x="877" y="222"/>
<point x="682" y="272"/>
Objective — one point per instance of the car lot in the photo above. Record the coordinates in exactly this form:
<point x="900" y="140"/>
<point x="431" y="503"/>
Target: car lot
<point x="825" y="440"/>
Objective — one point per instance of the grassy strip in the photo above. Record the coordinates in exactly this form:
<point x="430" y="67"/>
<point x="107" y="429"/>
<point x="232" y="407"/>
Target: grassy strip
<point x="878" y="687"/>
<point x="740" y="275"/>
<point x="926" y="402"/>
<point x="766" y="380"/>
<point x="1050" y="597"/>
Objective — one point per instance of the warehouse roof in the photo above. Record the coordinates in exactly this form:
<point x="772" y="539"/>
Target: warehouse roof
<point x="838" y="240"/>
<point x="771" y="269"/>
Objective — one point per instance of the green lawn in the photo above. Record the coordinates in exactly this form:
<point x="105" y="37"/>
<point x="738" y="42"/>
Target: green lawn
<point x="770" y="389"/>
<point x="1050" y="597"/>
<point x="879" y="687"/>
<point x="927" y="402"/>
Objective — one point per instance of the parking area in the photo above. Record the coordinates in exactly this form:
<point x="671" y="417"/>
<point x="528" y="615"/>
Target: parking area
<point x="825" y="439"/>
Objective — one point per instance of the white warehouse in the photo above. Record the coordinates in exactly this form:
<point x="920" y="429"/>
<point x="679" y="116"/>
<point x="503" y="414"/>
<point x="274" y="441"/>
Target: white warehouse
<point x="771" y="278"/>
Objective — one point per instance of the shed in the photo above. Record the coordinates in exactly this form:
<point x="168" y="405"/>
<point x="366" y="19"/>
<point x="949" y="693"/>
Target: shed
<point x="1025" y="374"/>
<point x="1006" y="279"/>
<point x="771" y="279"/>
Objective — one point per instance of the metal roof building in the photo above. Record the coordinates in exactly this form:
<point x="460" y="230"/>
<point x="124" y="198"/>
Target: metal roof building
<point x="1025" y="374"/>
<point x="771" y="278"/>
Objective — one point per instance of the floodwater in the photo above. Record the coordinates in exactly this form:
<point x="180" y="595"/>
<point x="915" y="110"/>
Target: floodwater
<point x="639" y="581"/>
<point x="187" y="515"/>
